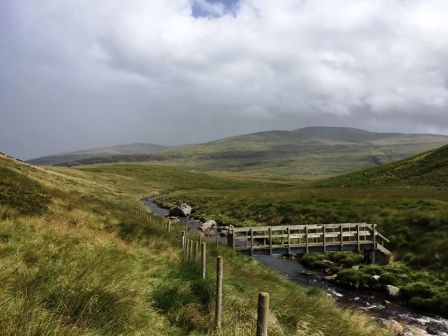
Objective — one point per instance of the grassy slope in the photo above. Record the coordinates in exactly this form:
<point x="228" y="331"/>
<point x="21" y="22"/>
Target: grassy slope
<point x="101" y="152"/>
<point x="426" y="169"/>
<point x="409" y="201"/>
<point x="304" y="153"/>
<point x="82" y="261"/>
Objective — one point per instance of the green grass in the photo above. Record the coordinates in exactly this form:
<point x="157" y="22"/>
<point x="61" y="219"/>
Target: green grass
<point x="91" y="264"/>
<point x="426" y="169"/>
<point x="308" y="153"/>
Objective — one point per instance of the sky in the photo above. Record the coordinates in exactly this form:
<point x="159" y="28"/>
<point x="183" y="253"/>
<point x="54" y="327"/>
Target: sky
<point x="78" y="74"/>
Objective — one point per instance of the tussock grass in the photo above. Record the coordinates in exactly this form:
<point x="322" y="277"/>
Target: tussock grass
<point x="91" y="264"/>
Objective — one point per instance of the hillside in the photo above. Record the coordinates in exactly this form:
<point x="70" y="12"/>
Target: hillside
<point x="101" y="152"/>
<point x="79" y="258"/>
<point x="311" y="152"/>
<point x="426" y="169"/>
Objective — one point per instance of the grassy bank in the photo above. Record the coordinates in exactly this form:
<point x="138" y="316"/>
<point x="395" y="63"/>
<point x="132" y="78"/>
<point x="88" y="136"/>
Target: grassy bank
<point x="414" y="218"/>
<point x="81" y="260"/>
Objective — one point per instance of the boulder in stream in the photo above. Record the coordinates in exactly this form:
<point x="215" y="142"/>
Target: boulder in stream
<point x="182" y="210"/>
<point x="208" y="225"/>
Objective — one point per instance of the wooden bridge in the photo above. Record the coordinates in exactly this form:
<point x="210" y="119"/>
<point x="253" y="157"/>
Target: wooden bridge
<point x="299" y="239"/>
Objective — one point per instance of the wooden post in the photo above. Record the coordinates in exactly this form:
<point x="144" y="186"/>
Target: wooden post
<point x="203" y="260"/>
<point x="217" y="240"/>
<point x="183" y="241"/>
<point x="374" y="242"/>
<point x="358" y="238"/>
<point x="324" y="238"/>
<point x="188" y="249"/>
<point x="262" y="316"/>
<point x="169" y="225"/>
<point x="306" y="240"/>
<point x="289" y="240"/>
<point x="191" y="251"/>
<point x="218" y="307"/>
<point x="270" y="241"/>
<point x="251" y="242"/>
<point x="342" y="237"/>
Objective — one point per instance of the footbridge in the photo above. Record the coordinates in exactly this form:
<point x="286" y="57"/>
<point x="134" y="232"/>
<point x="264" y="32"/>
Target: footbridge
<point x="300" y="239"/>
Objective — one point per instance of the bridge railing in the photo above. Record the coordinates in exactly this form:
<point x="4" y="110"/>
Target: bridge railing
<point x="307" y="236"/>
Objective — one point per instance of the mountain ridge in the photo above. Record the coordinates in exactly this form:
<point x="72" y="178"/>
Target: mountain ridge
<point x="310" y="152"/>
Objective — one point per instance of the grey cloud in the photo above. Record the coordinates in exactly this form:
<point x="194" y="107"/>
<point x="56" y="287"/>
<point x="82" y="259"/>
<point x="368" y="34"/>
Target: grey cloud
<point x="78" y="74"/>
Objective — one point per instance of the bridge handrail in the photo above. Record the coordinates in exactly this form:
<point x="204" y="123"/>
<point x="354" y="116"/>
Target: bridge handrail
<point x="299" y="226"/>
<point x="382" y="237"/>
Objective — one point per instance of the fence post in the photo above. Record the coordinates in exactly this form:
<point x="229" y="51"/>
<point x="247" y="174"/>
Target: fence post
<point x="169" y="225"/>
<point x="191" y="251"/>
<point x="262" y="316"/>
<point x="218" y="308"/>
<point x="183" y="241"/>
<point x="203" y="260"/>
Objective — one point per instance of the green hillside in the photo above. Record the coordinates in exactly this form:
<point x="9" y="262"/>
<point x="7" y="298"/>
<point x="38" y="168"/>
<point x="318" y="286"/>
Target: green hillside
<point x="311" y="152"/>
<point x="426" y="169"/>
<point x="101" y="152"/>
<point x="78" y="258"/>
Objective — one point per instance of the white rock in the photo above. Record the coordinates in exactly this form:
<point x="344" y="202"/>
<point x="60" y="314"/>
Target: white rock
<point x="208" y="225"/>
<point x="393" y="291"/>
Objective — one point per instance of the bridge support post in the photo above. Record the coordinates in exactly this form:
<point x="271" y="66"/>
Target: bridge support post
<point x="358" y="238"/>
<point x="251" y="242"/>
<point x="324" y="238"/>
<point x="341" y="233"/>
<point x="270" y="241"/>
<point x="289" y="240"/>
<point x="369" y="256"/>
<point x="306" y="240"/>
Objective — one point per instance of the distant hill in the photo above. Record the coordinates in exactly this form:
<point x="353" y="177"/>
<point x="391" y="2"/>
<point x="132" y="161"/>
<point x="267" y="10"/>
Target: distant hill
<point x="311" y="152"/>
<point x="101" y="152"/>
<point x="426" y="169"/>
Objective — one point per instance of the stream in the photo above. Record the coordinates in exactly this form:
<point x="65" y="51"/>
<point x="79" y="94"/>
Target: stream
<point x="372" y="302"/>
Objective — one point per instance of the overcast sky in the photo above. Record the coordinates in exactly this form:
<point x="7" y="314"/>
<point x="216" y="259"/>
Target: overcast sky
<point x="78" y="74"/>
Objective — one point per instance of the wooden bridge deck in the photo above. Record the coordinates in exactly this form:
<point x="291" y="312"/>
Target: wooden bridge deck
<point x="298" y="239"/>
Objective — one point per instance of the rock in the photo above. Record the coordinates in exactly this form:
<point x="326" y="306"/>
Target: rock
<point x="413" y="330"/>
<point x="356" y="267"/>
<point x="307" y="273"/>
<point x="376" y="277"/>
<point x="393" y="326"/>
<point x="393" y="291"/>
<point x="182" y="210"/>
<point x="331" y="277"/>
<point x="173" y="219"/>
<point x="208" y="225"/>
<point x="324" y="263"/>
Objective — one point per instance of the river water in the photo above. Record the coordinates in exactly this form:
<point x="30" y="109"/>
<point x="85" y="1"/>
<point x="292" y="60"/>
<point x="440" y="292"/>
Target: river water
<point x="373" y="303"/>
